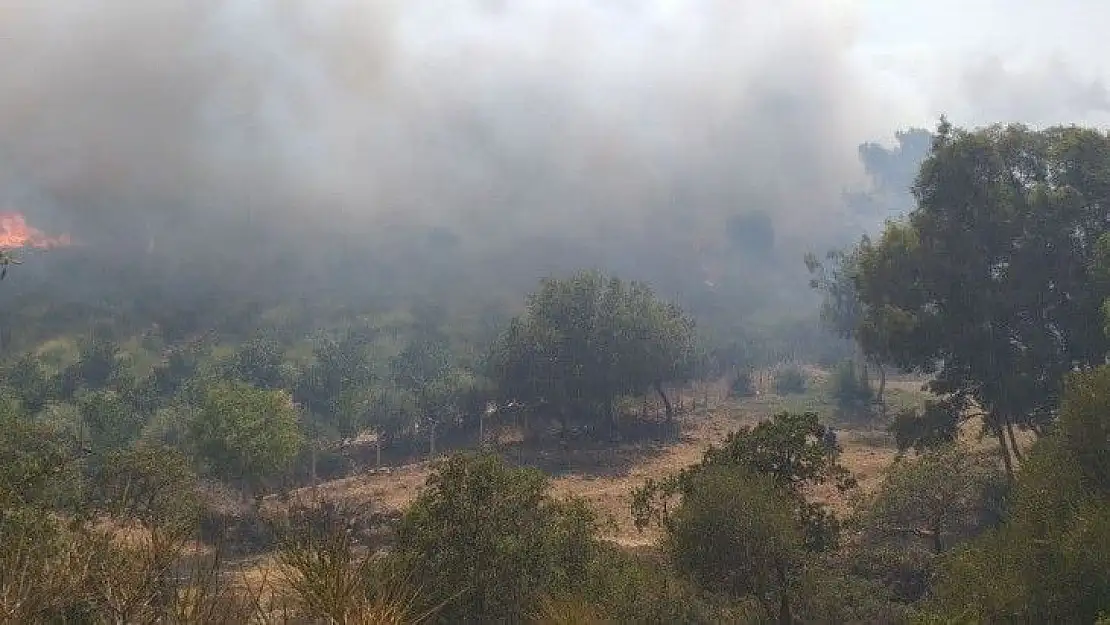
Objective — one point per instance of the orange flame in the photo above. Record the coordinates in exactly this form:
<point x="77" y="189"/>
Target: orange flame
<point x="15" y="233"/>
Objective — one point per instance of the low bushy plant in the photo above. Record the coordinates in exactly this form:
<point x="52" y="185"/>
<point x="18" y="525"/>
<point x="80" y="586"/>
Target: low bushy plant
<point x="789" y="380"/>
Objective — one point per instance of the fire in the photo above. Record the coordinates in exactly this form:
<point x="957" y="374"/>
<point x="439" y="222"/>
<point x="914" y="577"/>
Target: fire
<point x="15" y="232"/>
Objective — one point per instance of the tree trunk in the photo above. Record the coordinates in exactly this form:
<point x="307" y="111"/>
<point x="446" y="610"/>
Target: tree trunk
<point x="432" y="441"/>
<point x="784" y="600"/>
<point x="378" y="450"/>
<point x="1013" y="441"/>
<point x="564" y="446"/>
<point x="861" y="361"/>
<point x="312" y="463"/>
<point x="612" y="418"/>
<point x="938" y="544"/>
<point x="882" y="390"/>
<point x="1006" y="459"/>
<point x="666" y="402"/>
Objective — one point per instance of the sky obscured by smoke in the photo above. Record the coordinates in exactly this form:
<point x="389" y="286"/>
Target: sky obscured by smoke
<point x="134" y="122"/>
<point x="622" y="133"/>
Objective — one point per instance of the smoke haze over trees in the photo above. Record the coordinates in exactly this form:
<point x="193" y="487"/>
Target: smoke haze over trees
<point x="715" y="319"/>
<point x="251" y="146"/>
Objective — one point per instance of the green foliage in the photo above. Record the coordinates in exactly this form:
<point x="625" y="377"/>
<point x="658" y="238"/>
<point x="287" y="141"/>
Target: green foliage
<point x="246" y="435"/>
<point x="924" y="507"/>
<point x="1050" y="561"/>
<point x="333" y="386"/>
<point x="992" y="277"/>
<point x="31" y="381"/>
<point x="789" y="380"/>
<point x="423" y="361"/>
<point x="829" y="594"/>
<point x="260" y="362"/>
<point x="742" y="385"/>
<point x="489" y="540"/>
<point x="40" y="468"/>
<point x="108" y="421"/>
<point x="737" y="532"/>
<point x="1084" y="427"/>
<point x="936" y="425"/>
<point x="179" y="366"/>
<point x="789" y="448"/>
<point x="587" y="340"/>
<point x="841" y="309"/>
<point x="941" y="498"/>
<point x="621" y="587"/>
<point x="154" y="484"/>
<point x="850" y="388"/>
<point x="100" y="365"/>
<point x="441" y="392"/>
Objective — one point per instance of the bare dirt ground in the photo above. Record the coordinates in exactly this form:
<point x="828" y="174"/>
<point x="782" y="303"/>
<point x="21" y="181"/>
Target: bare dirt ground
<point x="605" y="478"/>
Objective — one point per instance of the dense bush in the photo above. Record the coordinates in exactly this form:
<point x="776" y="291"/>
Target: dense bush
<point x="924" y="507"/>
<point x="736" y="532"/>
<point x="789" y="380"/>
<point x="630" y="588"/>
<point x="1050" y="560"/>
<point x="488" y="541"/>
<point x="743" y="384"/>
<point x="851" y="389"/>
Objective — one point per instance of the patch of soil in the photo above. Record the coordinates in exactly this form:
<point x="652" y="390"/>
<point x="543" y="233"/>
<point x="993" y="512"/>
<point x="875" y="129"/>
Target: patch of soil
<point x="605" y="477"/>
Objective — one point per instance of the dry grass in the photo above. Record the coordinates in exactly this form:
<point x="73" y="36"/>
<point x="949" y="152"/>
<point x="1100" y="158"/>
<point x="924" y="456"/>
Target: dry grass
<point x="865" y="453"/>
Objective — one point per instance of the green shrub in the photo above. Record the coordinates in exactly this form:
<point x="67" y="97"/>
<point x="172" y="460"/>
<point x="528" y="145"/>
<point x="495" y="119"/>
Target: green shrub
<point x="743" y="385"/>
<point x="1050" y="561"/>
<point x="622" y="587"/>
<point x="829" y="595"/>
<point x="153" y="484"/>
<point x="737" y="533"/>
<point x="790" y="380"/>
<point x="850" y="388"/>
<point x="489" y="542"/>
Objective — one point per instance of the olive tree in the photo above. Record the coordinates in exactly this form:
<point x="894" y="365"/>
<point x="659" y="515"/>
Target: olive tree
<point x="588" y="339"/>
<point x="246" y="435"/>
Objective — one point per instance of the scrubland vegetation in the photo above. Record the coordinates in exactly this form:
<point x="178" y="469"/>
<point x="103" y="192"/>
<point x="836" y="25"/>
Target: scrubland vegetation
<point x="940" y="454"/>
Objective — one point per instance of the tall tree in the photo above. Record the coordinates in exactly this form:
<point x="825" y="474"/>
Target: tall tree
<point x="246" y="435"/>
<point x="586" y="340"/>
<point x="260" y="362"/>
<point x="842" y="311"/>
<point x="991" y="280"/>
<point x="425" y="370"/>
<point x="332" y="386"/>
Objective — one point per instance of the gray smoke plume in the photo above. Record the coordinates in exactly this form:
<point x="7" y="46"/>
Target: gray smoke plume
<point x="195" y="125"/>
